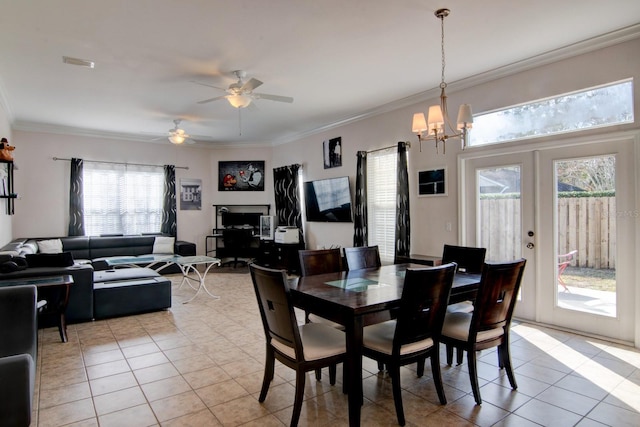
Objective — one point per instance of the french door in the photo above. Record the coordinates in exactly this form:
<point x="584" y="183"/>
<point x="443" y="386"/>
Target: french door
<point x="570" y="212"/>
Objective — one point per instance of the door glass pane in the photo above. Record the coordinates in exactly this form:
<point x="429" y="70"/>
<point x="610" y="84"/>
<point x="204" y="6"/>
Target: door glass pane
<point x="499" y="212"/>
<point x="586" y="235"/>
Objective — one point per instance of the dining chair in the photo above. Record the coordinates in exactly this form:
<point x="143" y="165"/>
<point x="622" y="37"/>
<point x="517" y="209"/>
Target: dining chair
<point x="320" y="261"/>
<point x="303" y="348"/>
<point x="415" y="333"/>
<point x="469" y="259"/>
<point x="362" y="257"/>
<point x="488" y="326"/>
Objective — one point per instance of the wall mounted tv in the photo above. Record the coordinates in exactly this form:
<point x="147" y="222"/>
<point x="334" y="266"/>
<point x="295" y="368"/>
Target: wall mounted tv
<point x="328" y="200"/>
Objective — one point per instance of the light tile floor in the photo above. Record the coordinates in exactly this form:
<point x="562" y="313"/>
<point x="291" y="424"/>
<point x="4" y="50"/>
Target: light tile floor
<point x="201" y="364"/>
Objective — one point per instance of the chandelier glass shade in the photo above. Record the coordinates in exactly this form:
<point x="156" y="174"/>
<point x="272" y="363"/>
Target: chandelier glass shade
<point x="437" y="123"/>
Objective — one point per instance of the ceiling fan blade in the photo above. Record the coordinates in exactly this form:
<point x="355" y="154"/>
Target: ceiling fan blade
<point x="251" y="85"/>
<point x="207" y="85"/>
<point x="212" y="99"/>
<point x="273" y="97"/>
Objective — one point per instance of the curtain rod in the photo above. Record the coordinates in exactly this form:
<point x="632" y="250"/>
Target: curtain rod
<point x="121" y="163"/>
<point x="386" y="148"/>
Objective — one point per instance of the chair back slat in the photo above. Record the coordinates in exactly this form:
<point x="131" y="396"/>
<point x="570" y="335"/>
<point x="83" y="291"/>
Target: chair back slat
<point x="362" y="257"/>
<point x="423" y="304"/>
<point x="276" y="309"/>
<point x="469" y="259"/>
<point x="320" y="261"/>
<point x="497" y="295"/>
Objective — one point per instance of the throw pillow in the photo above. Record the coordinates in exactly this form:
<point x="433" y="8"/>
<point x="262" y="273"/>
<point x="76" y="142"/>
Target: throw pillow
<point x="52" y="246"/>
<point x="163" y="245"/>
<point x="63" y="259"/>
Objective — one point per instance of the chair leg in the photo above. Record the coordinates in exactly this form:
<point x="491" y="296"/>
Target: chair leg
<point x="459" y="355"/>
<point x="473" y="375"/>
<point x="500" y="358"/>
<point x="449" y="354"/>
<point x="297" y="403"/>
<point x="437" y="376"/>
<point x="318" y="374"/>
<point x="269" y="365"/>
<point x="380" y="366"/>
<point x="332" y="374"/>
<point x="420" y="368"/>
<point x="506" y="360"/>
<point x="394" y="371"/>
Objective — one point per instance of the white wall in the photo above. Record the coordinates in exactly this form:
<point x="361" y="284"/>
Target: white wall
<point x="430" y="215"/>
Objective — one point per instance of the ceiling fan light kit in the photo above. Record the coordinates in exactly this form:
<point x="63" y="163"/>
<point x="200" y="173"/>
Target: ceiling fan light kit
<point x="240" y="93"/>
<point x="438" y="120"/>
<point x="176" y="135"/>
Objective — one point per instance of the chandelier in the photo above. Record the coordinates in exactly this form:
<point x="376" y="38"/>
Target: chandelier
<point x="438" y="117"/>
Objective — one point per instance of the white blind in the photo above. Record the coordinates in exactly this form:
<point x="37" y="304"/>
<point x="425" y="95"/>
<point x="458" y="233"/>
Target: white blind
<point x="381" y="201"/>
<point x="122" y="199"/>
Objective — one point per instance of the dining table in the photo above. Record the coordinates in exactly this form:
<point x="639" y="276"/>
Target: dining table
<point x="359" y="298"/>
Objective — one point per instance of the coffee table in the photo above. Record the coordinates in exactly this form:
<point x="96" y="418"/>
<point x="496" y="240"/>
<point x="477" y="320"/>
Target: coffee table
<point x="187" y="264"/>
<point x="55" y="289"/>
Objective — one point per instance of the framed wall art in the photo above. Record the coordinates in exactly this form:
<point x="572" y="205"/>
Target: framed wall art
<point x="332" y="152"/>
<point x="432" y="182"/>
<point x="190" y="194"/>
<point x="247" y="175"/>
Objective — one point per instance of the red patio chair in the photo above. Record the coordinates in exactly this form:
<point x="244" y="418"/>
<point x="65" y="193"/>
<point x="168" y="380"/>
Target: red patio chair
<point x="563" y="262"/>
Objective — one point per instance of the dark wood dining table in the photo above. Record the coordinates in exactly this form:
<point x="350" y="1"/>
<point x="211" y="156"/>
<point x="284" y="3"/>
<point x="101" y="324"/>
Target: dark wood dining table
<point x="359" y="298"/>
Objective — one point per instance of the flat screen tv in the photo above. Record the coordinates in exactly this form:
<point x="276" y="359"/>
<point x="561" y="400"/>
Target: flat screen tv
<point x="328" y="200"/>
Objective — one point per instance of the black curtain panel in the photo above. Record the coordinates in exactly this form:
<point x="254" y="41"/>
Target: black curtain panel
<point x="360" y="237"/>
<point x="403" y="229"/>
<point x="76" y="199"/>
<point x="169" y="224"/>
<point x="286" y="189"/>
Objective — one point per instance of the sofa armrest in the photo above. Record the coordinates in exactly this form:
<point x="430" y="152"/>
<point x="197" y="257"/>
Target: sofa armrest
<point x="18" y="321"/>
<point x="16" y="389"/>
<point x="184" y="248"/>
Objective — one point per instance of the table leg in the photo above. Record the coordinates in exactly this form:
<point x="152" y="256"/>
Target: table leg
<point x="354" y="369"/>
<point x="201" y="283"/>
<point x="62" y="320"/>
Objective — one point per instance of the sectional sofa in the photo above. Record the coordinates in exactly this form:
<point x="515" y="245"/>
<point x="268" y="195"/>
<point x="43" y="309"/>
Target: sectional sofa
<point x="99" y="291"/>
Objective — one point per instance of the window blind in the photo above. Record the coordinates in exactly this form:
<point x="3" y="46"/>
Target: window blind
<point x="381" y="201"/>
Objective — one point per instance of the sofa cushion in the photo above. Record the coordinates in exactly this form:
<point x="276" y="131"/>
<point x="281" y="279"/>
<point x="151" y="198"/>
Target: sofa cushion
<point x="163" y="245"/>
<point x="51" y="246"/>
<point x="63" y="259"/>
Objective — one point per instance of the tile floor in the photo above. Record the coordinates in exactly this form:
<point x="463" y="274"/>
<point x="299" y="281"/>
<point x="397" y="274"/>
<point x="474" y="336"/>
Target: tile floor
<point x="201" y="364"/>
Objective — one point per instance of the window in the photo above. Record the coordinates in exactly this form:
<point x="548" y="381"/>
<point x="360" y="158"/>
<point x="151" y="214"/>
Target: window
<point x="122" y="199"/>
<point x="606" y="105"/>
<point x="381" y="201"/>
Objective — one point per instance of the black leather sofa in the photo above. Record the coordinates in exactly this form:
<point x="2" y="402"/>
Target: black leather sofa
<point x="18" y="354"/>
<point x="90" y="253"/>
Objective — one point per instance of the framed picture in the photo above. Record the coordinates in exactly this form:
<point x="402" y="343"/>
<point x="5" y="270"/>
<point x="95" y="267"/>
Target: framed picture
<point x="332" y="152"/>
<point x="245" y="175"/>
<point x="432" y="182"/>
<point x="190" y="194"/>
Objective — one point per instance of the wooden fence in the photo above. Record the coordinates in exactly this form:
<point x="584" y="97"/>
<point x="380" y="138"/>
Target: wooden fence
<point x="585" y="224"/>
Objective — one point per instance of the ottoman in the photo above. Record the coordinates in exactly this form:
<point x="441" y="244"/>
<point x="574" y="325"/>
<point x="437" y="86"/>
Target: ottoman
<point x="127" y="291"/>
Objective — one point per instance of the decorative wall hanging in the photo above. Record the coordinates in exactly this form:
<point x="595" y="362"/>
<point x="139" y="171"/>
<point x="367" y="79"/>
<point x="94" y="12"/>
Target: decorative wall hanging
<point x="245" y="175"/>
<point x="332" y="152"/>
<point x="190" y="194"/>
<point x="432" y="182"/>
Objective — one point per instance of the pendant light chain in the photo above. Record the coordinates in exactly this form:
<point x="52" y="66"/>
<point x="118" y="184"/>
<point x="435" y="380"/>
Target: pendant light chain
<point x="442" y="84"/>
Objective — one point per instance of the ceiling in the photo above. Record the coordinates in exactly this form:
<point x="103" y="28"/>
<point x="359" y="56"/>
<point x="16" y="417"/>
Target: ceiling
<point x="340" y="60"/>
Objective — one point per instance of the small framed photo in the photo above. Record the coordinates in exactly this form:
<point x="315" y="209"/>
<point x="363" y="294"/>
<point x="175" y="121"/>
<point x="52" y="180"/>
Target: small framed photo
<point x="332" y="152"/>
<point x="432" y="182"/>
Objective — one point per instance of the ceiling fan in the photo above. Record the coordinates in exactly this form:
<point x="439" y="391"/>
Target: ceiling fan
<point x="241" y="94"/>
<point x="177" y="135"/>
